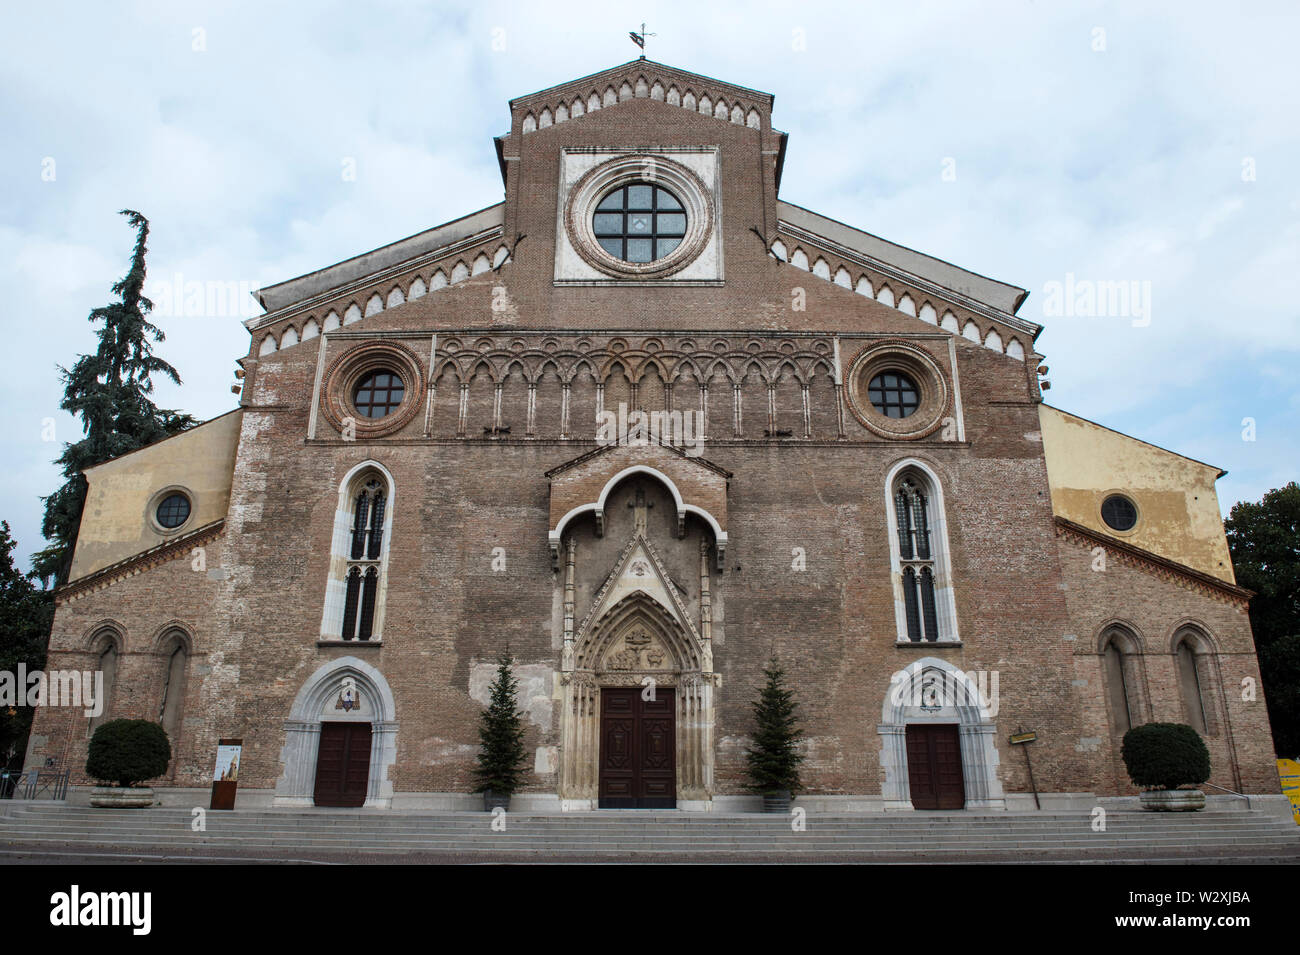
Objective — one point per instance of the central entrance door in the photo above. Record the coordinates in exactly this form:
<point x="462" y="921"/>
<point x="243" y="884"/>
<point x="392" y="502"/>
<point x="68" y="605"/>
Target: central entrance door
<point x="637" y="749"/>
<point x="343" y="764"/>
<point x="934" y="766"/>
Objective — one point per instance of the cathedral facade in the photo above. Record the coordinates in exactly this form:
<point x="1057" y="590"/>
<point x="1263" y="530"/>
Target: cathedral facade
<point x="644" y="426"/>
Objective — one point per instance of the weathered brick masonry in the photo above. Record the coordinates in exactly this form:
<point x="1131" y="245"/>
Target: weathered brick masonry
<point x="789" y="502"/>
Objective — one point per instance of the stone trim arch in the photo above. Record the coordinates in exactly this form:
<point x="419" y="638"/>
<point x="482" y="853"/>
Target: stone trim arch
<point x="296" y="785"/>
<point x="161" y="634"/>
<point x="964" y="705"/>
<point x="598" y="506"/>
<point x="941" y="548"/>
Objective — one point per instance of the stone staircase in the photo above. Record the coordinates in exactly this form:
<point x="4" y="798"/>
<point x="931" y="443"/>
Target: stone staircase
<point x="1238" y="835"/>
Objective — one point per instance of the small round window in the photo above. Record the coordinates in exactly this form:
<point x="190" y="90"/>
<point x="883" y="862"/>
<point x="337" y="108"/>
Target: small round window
<point x="173" y="511"/>
<point x="639" y="223"/>
<point x="893" y="394"/>
<point x="379" y="394"/>
<point x="1119" y="513"/>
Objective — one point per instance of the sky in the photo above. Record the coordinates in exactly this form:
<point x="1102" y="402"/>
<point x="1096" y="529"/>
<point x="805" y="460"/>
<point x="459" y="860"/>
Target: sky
<point x="1048" y="145"/>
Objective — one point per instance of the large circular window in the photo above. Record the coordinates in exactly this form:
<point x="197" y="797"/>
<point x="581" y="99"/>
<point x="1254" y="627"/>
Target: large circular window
<point x="368" y="390"/>
<point x="639" y="222"/>
<point x="173" y="511"/>
<point x="897" y="390"/>
<point x="893" y="394"/>
<point x="1119" y="513"/>
<point x="639" y="216"/>
<point x="379" y="394"/>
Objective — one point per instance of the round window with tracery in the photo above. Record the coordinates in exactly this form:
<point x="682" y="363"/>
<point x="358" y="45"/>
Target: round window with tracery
<point x="639" y="222"/>
<point x="379" y="394"/>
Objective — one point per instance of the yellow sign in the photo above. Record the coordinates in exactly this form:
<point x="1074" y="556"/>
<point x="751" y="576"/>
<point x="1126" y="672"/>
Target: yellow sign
<point x="1288" y="770"/>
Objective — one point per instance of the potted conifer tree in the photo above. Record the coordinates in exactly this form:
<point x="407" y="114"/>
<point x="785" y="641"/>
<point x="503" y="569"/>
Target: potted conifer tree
<point x="127" y="752"/>
<point x="1162" y="758"/>
<point x="773" y="754"/>
<point x="501" y="741"/>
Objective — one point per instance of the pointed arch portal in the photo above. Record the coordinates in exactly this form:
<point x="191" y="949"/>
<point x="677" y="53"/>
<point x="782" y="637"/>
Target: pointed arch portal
<point x="331" y="715"/>
<point x="927" y="704"/>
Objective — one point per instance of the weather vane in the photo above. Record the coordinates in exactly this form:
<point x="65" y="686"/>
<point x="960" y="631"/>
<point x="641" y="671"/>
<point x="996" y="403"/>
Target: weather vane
<point x="639" y="38"/>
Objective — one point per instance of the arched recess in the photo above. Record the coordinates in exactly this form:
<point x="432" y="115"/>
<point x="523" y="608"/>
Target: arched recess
<point x="107" y="644"/>
<point x="1124" y="677"/>
<point x="173" y="649"/>
<point x="321" y="699"/>
<point x="929" y="691"/>
<point x="1200" y="686"/>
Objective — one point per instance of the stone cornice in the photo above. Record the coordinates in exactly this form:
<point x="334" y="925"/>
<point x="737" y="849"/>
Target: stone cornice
<point x="930" y="287"/>
<point x="138" y="563"/>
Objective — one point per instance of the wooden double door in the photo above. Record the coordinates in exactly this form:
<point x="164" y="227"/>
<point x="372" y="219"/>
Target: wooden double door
<point x="934" y="766"/>
<point x="637" y="749"/>
<point x="343" y="764"/>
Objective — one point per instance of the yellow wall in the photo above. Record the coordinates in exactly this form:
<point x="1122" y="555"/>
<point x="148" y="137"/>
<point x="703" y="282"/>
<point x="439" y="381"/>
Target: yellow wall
<point x="117" y="521"/>
<point x="1178" y="506"/>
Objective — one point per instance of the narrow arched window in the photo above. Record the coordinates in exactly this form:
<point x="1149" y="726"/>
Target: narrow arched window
<point x="172" y="701"/>
<point x="1120" y="660"/>
<point x="920" y="554"/>
<point x="106" y="663"/>
<point x="1191" y="658"/>
<point x="354" y="597"/>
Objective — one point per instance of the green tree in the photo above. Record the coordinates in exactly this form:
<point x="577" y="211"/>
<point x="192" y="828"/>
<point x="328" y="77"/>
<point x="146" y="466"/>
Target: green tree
<point x="127" y="752"/>
<point x="109" y="391"/>
<point x="774" y="756"/>
<point x="501" y="735"/>
<point x="1279" y="665"/>
<point x="25" y="615"/>
<point x="1264" y="539"/>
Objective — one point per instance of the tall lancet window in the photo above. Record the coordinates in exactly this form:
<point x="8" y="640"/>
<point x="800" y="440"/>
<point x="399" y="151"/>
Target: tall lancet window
<point x="354" y="598"/>
<point x="921" y="578"/>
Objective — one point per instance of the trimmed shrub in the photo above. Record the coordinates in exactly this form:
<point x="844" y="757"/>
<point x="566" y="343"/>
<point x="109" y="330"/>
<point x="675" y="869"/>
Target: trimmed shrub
<point x="127" y="752"/>
<point x="1165" y="756"/>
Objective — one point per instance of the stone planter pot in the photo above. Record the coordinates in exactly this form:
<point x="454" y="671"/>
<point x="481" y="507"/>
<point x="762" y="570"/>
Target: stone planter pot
<point x="493" y="800"/>
<point x="116" y="797"/>
<point x="777" y="802"/>
<point x="1173" y="800"/>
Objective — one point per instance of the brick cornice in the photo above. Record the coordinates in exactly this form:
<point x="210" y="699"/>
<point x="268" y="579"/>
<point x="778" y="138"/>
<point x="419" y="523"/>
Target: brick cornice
<point x="138" y="563"/>
<point x="1161" y="567"/>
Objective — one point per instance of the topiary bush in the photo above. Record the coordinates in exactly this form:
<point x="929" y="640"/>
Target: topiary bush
<point x="1165" y="756"/>
<point x="127" y="752"/>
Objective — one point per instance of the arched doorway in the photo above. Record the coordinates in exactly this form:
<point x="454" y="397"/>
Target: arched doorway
<point x="340" y="739"/>
<point x="934" y="723"/>
<point x="638" y="717"/>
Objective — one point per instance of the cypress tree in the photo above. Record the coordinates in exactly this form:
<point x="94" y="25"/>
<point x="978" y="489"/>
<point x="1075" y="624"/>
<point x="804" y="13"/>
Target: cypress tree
<point x="25" y="615"/>
<point x="109" y="391"/>
<point x="501" y="735"/>
<point x="773" y="755"/>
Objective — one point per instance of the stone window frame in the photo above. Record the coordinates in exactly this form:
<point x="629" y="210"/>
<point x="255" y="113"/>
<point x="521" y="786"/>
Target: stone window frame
<point x="156" y="499"/>
<point x="1126" y="495"/>
<point x="622" y="170"/>
<point x="340" y="562"/>
<point x="346" y="372"/>
<point x="940" y="560"/>
<point x="936" y="396"/>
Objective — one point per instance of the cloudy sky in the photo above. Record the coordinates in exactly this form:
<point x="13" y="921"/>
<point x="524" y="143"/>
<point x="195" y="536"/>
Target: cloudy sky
<point x="1029" y="141"/>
